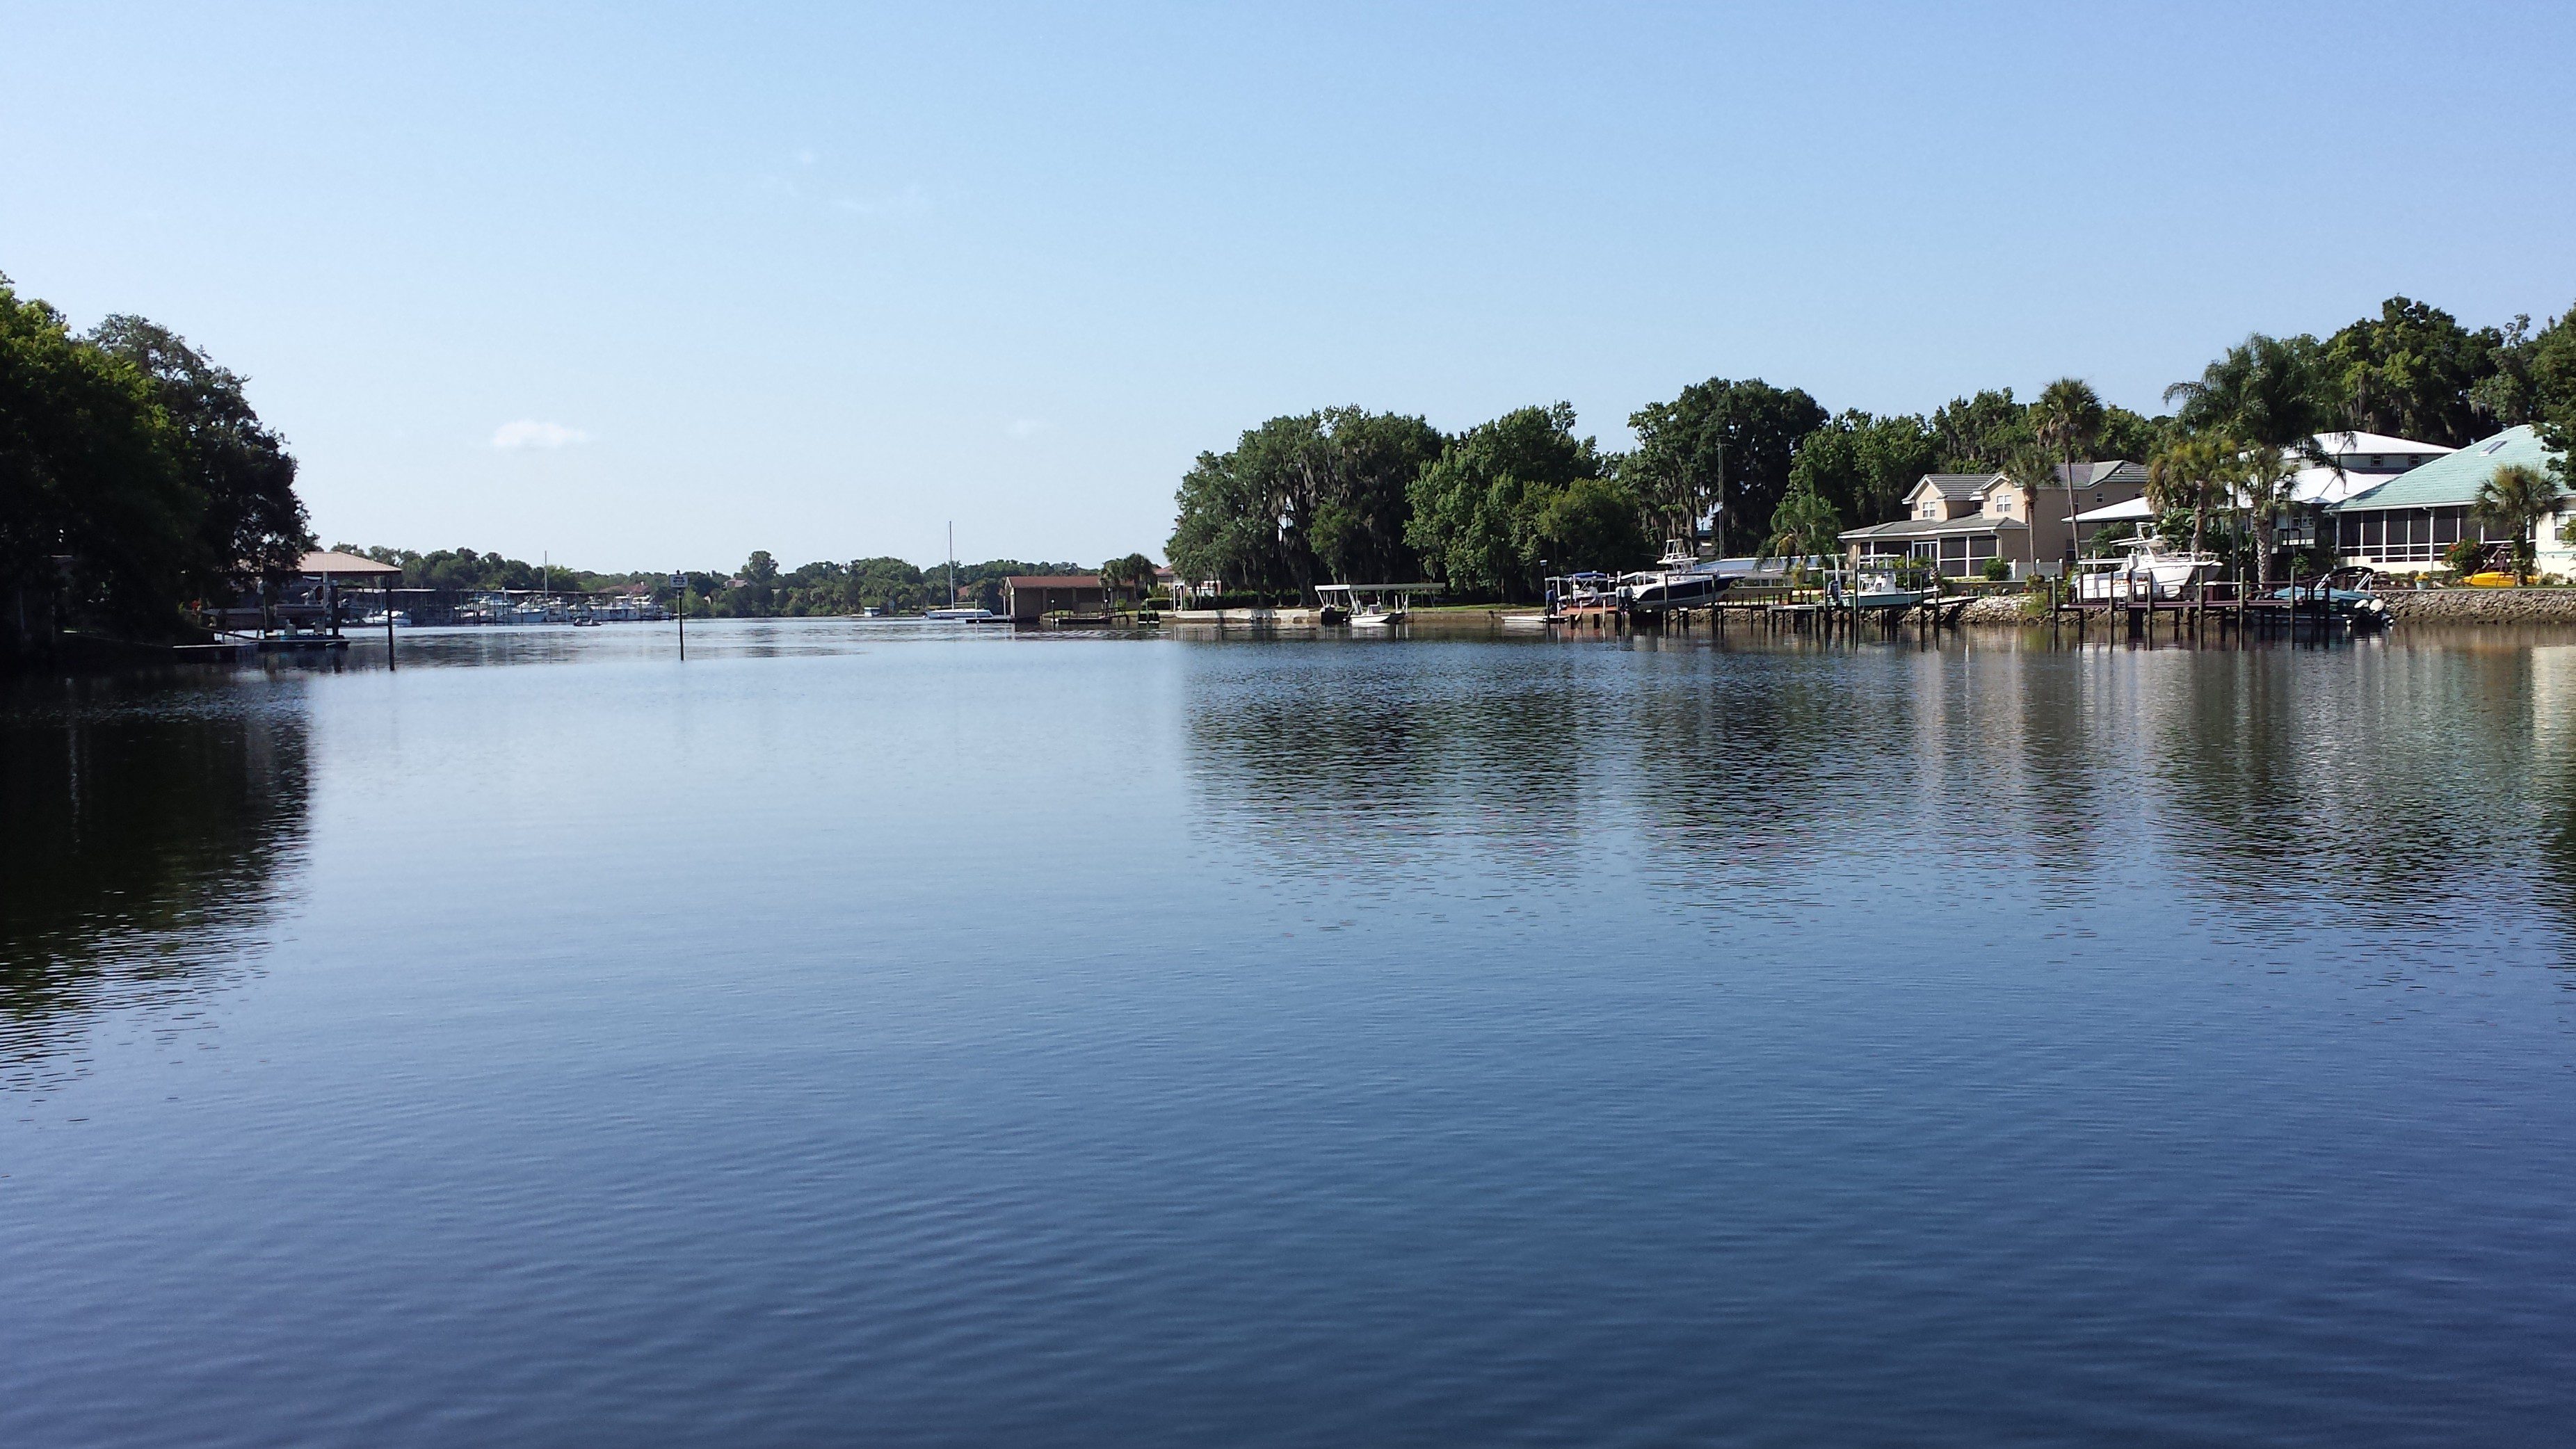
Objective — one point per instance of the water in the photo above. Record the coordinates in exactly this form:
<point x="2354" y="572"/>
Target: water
<point x="863" y="1034"/>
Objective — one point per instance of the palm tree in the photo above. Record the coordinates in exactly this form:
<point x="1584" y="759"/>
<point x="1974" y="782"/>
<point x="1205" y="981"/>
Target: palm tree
<point x="2272" y="395"/>
<point x="1804" y="526"/>
<point x="2188" y="472"/>
<point x="2265" y="479"/>
<point x="2030" y="470"/>
<point x="2515" y="498"/>
<point x="2066" y="419"/>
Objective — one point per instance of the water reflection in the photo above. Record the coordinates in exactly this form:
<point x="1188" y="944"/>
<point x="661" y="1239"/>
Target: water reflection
<point x="2366" y="799"/>
<point x="151" y="825"/>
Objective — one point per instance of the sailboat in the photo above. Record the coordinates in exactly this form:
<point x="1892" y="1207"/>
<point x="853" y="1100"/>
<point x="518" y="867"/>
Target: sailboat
<point x="953" y="614"/>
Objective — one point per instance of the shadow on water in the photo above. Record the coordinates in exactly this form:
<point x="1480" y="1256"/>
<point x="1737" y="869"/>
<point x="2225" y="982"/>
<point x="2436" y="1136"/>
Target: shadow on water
<point x="152" y="827"/>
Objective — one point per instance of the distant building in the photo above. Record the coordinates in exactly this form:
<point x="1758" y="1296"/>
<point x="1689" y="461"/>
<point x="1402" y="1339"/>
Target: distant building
<point x="1027" y="598"/>
<point x="1957" y="521"/>
<point x="2402" y="521"/>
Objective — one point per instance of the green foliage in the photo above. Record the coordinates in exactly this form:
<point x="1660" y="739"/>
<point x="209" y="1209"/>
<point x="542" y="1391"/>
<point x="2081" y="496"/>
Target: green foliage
<point x="1135" y="571"/>
<point x="1304" y="499"/>
<point x="2126" y="434"/>
<point x="134" y="479"/>
<point x="1995" y="570"/>
<point x="2105" y="541"/>
<point x="1480" y="509"/>
<point x="1804" y="526"/>
<point x="1981" y="434"/>
<point x="1865" y="466"/>
<point x="2193" y="472"/>
<point x="1722" y="445"/>
<point x="2465" y="557"/>
<point x="2515" y="498"/>
<point x="1590" y="523"/>
<point x="2534" y="379"/>
<point x="2271" y="395"/>
<point x="2414" y="372"/>
<point x="760" y="589"/>
<point x="2270" y="392"/>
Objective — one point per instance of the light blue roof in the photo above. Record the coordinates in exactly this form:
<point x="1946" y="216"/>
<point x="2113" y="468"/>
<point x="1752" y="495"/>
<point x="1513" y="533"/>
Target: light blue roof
<point x="2453" y="479"/>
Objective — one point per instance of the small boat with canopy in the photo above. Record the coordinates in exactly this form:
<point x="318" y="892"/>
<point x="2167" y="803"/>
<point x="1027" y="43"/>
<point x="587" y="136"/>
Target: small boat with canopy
<point x="1369" y="606"/>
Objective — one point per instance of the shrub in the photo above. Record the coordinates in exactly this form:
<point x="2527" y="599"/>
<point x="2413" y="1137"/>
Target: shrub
<point x="2465" y="557"/>
<point x="1996" y="570"/>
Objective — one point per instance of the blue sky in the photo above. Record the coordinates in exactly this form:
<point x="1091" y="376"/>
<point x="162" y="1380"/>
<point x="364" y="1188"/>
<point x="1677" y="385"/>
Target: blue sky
<point x="644" y="286"/>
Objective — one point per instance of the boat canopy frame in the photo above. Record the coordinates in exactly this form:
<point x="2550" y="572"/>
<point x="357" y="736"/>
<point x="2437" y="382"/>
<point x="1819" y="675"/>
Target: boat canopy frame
<point x="1374" y="591"/>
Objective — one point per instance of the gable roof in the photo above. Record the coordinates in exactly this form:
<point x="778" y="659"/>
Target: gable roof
<point x="1053" y="581"/>
<point x="2110" y="470"/>
<point x="2453" y="480"/>
<point x="1960" y="486"/>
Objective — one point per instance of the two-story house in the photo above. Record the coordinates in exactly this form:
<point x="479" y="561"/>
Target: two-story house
<point x="1957" y="521"/>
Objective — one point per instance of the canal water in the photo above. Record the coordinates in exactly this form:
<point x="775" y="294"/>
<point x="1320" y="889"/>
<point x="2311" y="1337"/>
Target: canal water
<point x="865" y="1034"/>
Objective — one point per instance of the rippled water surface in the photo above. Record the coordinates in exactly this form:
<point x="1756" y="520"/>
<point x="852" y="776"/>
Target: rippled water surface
<point x="863" y="1034"/>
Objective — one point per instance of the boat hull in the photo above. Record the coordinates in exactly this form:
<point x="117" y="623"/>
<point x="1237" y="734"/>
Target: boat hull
<point x="1674" y="591"/>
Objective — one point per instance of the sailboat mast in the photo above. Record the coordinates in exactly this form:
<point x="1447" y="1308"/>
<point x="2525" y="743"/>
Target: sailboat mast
<point x="952" y="564"/>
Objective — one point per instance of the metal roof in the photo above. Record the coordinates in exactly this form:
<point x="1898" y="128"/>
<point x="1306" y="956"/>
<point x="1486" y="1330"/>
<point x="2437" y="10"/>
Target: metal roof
<point x="2133" y="510"/>
<point x="1938" y="527"/>
<point x="329" y="562"/>
<point x="1053" y="581"/>
<point x="2453" y="480"/>
<point x="2345" y="445"/>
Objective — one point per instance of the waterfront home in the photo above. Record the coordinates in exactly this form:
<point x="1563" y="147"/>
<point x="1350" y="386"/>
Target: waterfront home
<point x="1958" y="521"/>
<point x="1027" y="598"/>
<point x="2402" y="521"/>
<point x="2336" y="466"/>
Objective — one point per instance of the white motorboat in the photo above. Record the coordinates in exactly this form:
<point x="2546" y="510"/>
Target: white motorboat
<point x="958" y="616"/>
<point x="1368" y="606"/>
<point x="1679" y="580"/>
<point x="2148" y="569"/>
<point x="1872" y="589"/>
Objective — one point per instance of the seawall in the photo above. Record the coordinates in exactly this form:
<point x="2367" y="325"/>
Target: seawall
<point x="2482" y="606"/>
<point x="2405" y="606"/>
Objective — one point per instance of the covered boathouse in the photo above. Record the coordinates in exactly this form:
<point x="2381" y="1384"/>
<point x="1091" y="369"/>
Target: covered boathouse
<point x="1029" y="598"/>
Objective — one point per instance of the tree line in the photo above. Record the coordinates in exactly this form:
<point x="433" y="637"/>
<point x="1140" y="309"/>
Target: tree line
<point x="759" y="589"/>
<point x="135" y="481"/>
<point x="1345" y="494"/>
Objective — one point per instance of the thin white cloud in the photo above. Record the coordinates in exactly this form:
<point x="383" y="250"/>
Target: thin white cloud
<point x="529" y="433"/>
<point x="1025" y="427"/>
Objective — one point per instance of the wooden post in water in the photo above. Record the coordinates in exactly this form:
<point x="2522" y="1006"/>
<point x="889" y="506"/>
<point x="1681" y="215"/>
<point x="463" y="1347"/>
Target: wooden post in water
<point x="389" y="626"/>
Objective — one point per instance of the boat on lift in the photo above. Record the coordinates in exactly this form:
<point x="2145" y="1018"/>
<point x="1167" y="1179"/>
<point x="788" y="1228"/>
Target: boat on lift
<point x="1869" y="589"/>
<point x="1369" y="606"/>
<point x="2149" y="568"/>
<point x="1681" y="579"/>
